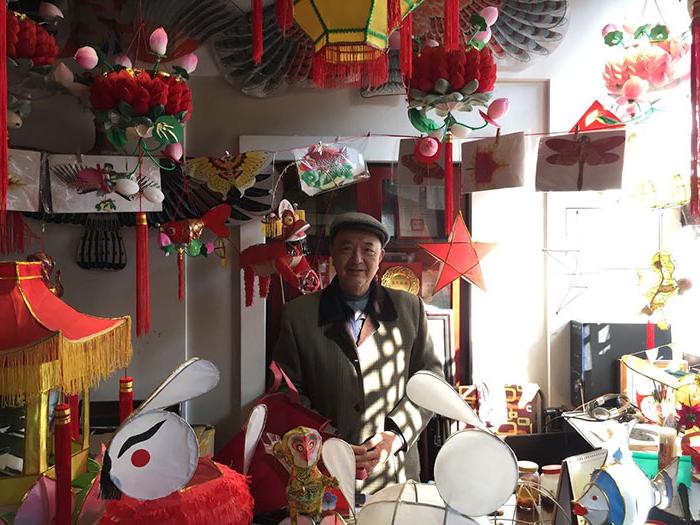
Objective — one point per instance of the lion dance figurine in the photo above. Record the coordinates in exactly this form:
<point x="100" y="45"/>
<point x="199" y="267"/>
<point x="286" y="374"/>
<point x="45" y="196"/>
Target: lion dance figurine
<point x="299" y="450"/>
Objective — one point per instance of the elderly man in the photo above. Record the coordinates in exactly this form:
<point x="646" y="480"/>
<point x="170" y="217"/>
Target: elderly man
<point x="351" y="348"/>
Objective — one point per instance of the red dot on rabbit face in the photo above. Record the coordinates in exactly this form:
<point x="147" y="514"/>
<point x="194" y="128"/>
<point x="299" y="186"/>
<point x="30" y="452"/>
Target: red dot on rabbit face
<point x="140" y="458"/>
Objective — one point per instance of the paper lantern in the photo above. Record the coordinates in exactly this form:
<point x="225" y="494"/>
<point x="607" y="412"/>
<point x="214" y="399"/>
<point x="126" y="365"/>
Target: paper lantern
<point x="350" y="38"/>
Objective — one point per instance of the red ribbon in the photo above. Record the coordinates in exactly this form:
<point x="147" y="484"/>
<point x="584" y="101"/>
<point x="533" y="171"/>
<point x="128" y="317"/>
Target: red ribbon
<point x="449" y="185"/>
<point x="406" y="50"/>
<point x="452" y="29"/>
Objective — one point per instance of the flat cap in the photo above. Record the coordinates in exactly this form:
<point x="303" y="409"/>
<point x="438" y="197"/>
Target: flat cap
<point x="359" y="221"/>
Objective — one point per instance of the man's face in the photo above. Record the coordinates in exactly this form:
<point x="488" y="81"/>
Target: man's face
<point x="356" y="257"/>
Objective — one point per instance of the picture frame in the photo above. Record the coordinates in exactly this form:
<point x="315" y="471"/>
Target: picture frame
<point x="442" y="334"/>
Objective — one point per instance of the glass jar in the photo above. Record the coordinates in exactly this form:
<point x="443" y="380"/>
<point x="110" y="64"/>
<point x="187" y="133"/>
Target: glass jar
<point x="549" y="482"/>
<point x="527" y="494"/>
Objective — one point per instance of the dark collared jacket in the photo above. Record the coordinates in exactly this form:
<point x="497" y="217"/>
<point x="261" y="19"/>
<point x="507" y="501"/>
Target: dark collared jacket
<point x="360" y="386"/>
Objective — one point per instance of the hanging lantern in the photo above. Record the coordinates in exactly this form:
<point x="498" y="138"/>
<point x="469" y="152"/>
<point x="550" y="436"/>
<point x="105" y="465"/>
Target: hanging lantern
<point x="350" y="38"/>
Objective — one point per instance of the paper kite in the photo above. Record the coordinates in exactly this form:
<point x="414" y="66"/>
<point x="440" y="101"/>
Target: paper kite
<point x="459" y="256"/>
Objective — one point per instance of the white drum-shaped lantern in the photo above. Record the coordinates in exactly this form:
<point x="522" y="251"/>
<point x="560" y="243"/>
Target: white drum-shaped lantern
<point x="476" y="472"/>
<point x="410" y="503"/>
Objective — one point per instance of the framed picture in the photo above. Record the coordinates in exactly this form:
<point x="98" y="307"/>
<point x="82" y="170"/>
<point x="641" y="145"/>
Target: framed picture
<point x="419" y="211"/>
<point x="440" y="329"/>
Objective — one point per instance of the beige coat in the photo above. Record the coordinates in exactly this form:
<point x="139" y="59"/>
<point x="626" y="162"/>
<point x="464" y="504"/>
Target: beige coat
<point x="358" y="387"/>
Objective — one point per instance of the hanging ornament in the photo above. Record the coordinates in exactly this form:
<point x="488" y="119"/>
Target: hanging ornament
<point x="350" y="39"/>
<point x="184" y="238"/>
<point x="62" y="460"/>
<point x="459" y="256"/>
<point x="148" y="107"/>
<point x="664" y="287"/>
<point x="283" y="254"/>
<point x="456" y="76"/>
<point x="645" y="61"/>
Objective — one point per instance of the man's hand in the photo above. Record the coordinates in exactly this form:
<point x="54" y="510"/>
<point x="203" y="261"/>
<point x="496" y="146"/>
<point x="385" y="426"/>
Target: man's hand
<point x="375" y="452"/>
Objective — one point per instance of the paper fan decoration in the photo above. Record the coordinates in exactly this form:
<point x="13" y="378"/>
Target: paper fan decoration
<point x="459" y="256"/>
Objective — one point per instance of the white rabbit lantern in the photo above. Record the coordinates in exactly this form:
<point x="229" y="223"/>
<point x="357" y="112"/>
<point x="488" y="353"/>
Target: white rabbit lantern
<point x="155" y="452"/>
<point x="475" y="471"/>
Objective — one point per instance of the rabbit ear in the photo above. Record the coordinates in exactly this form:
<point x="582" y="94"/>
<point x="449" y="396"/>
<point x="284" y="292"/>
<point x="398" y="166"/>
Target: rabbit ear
<point x="152" y="455"/>
<point x="191" y="379"/>
<point x="430" y="391"/>
<point x="253" y="431"/>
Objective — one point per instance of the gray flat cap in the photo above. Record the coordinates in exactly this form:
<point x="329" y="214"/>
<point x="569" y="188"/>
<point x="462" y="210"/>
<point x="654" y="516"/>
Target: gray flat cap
<point x="359" y="221"/>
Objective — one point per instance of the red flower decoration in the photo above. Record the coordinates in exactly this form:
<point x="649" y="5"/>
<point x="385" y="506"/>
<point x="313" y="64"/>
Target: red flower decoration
<point x="27" y="39"/>
<point x="458" y="67"/>
<point x="688" y="416"/>
<point x="142" y="91"/>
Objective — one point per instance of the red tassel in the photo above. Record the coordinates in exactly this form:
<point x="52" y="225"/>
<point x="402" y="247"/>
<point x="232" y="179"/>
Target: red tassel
<point x="406" y="50"/>
<point x="249" y="283"/>
<point x="15" y="235"/>
<point x="651" y="337"/>
<point x="394" y="14"/>
<point x="334" y="66"/>
<point x="695" y="105"/>
<point x="126" y="397"/>
<point x="257" y="21"/>
<point x="284" y="13"/>
<point x="62" y="460"/>
<point x="264" y="285"/>
<point x="180" y="274"/>
<point x="143" y="293"/>
<point x="449" y="185"/>
<point x="4" y="176"/>
<point x="74" y="402"/>
<point x="452" y="29"/>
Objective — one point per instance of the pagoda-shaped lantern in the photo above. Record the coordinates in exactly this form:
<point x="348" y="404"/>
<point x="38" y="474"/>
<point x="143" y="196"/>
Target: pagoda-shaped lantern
<point x="48" y="350"/>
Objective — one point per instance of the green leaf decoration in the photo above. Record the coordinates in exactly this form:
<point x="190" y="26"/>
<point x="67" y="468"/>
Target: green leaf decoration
<point x="478" y="45"/>
<point x="194" y="248"/>
<point x="607" y="120"/>
<point x="421" y="122"/>
<point x="614" y="38"/>
<point x="642" y="31"/>
<point x="168" y="250"/>
<point x="168" y="130"/>
<point x="117" y="137"/>
<point x="102" y="59"/>
<point x="126" y="109"/>
<point x="156" y="111"/>
<point x="442" y="86"/>
<point x="478" y="22"/>
<point x="659" y="32"/>
<point x="181" y="72"/>
<point x="182" y="116"/>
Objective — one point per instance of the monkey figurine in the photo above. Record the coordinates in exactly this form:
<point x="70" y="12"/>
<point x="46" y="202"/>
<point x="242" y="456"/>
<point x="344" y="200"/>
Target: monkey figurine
<point x="299" y="450"/>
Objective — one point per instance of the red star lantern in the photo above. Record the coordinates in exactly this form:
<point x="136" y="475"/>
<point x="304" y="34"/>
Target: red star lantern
<point x="459" y="256"/>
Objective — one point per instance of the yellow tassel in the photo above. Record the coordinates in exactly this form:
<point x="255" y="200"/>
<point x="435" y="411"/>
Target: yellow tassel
<point x="59" y="363"/>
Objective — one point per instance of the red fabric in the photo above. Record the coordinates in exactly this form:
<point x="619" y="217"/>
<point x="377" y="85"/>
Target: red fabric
<point x="51" y="315"/>
<point x="62" y="460"/>
<point x="14" y="232"/>
<point x="4" y="176"/>
<point x="453" y="33"/>
<point x="215" y="495"/>
<point x="406" y="50"/>
<point x="449" y="186"/>
<point x="268" y="476"/>
<point x="695" y="105"/>
<point x="330" y="70"/>
<point x="257" y="21"/>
